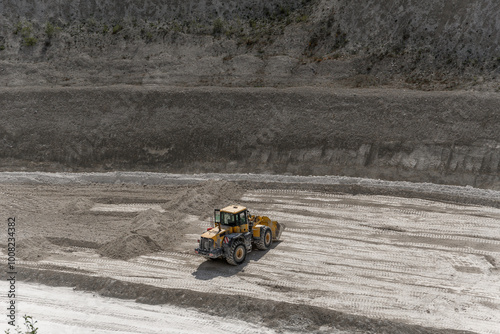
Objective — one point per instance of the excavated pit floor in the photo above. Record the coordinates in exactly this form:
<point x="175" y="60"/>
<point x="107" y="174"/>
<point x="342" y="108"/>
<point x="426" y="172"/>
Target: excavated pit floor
<point x="409" y="260"/>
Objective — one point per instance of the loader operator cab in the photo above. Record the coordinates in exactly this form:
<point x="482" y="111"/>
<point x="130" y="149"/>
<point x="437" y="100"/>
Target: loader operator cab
<point x="231" y="216"/>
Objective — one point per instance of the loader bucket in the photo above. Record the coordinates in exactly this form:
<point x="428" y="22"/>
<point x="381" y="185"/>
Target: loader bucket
<point x="280" y="227"/>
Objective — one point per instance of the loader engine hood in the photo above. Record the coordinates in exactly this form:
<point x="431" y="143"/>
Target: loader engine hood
<point x="211" y="234"/>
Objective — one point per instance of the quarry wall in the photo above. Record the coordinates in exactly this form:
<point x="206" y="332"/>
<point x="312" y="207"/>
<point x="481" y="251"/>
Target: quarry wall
<point x="398" y="89"/>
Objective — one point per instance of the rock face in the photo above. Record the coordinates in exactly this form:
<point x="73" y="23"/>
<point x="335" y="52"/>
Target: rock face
<point x="424" y="44"/>
<point x="441" y="137"/>
<point x="152" y="10"/>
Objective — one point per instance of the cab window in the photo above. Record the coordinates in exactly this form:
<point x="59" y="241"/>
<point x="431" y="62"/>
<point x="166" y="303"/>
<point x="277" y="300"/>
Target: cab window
<point x="227" y="219"/>
<point x="242" y="217"/>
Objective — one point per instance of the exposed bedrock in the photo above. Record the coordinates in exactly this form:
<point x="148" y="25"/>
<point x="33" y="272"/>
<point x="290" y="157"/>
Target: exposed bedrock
<point x="440" y="137"/>
<point x="427" y="44"/>
<point x="150" y="9"/>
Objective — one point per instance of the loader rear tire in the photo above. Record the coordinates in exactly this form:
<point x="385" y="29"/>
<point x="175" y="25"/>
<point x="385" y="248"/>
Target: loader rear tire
<point x="266" y="239"/>
<point x="237" y="253"/>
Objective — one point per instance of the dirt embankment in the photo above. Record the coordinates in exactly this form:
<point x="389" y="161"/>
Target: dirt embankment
<point x="434" y="137"/>
<point x="274" y="314"/>
<point x="402" y="43"/>
<point x="154" y="231"/>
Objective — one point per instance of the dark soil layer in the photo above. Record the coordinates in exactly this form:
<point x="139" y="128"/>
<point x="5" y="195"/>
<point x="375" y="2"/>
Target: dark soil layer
<point x="270" y="313"/>
<point x="439" y="137"/>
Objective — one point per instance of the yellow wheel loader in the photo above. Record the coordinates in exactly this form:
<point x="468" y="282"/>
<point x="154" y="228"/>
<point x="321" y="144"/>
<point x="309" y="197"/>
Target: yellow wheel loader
<point x="234" y="234"/>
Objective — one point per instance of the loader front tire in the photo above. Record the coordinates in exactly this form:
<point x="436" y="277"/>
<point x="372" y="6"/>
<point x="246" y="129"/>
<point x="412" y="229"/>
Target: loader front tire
<point x="237" y="253"/>
<point x="266" y="238"/>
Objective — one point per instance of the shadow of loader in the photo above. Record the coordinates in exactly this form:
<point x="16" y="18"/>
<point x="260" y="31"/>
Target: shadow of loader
<point x="211" y="269"/>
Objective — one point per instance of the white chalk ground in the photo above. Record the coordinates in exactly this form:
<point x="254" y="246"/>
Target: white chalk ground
<point x="410" y="260"/>
<point x="61" y="310"/>
<point x="415" y="261"/>
<point x="136" y="207"/>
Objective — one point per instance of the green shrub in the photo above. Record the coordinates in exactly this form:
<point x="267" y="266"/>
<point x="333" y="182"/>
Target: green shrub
<point x="176" y="27"/>
<point x="17" y="28"/>
<point x="29" y="323"/>
<point x="218" y="26"/>
<point x="30" y="41"/>
<point x="117" y="28"/>
<point x="284" y="11"/>
<point x="50" y="30"/>
<point x="26" y="31"/>
<point x="301" y="18"/>
<point x="92" y="22"/>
